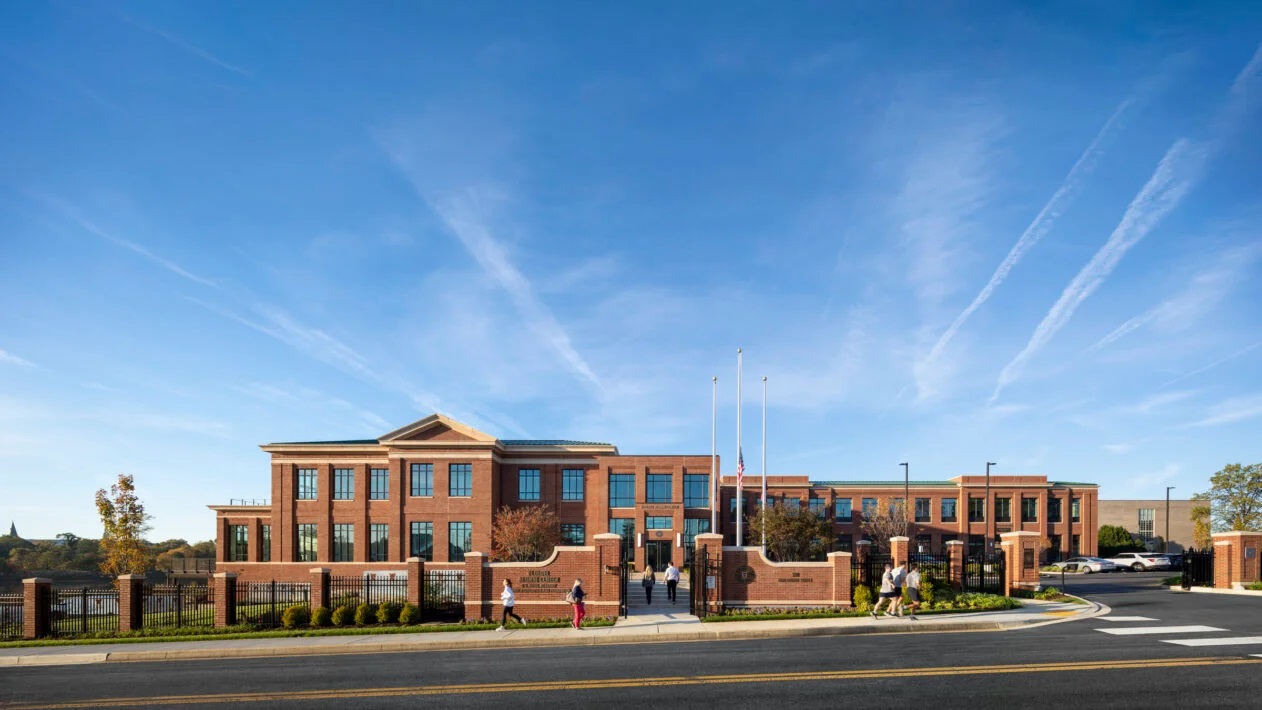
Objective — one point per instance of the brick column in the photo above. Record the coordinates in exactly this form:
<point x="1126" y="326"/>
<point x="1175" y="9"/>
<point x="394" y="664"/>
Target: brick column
<point x="131" y="602"/>
<point x="608" y="560"/>
<point x="841" y="578"/>
<point x="476" y="576"/>
<point x="319" y="587"/>
<point x="1236" y="558"/>
<point x="37" y="607"/>
<point x="416" y="581"/>
<point x="955" y="557"/>
<point x="712" y="543"/>
<point x="900" y="545"/>
<point x="863" y="550"/>
<point x="1021" y="562"/>
<point x="225" y="598"/>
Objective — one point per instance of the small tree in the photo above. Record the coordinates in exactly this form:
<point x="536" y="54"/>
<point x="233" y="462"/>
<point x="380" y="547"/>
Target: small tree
<point x="1235" y="498"/>
<point x="1201" y="538"/>
<point x="794" y="533"/>
<point x="1114" y="539"/>
<point x="888" y="519"/>
<point x="524" y="534"/>
<point x="123" y="551"/>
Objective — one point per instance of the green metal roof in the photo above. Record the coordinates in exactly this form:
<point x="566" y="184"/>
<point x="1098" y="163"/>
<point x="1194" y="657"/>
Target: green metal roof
<point x="551" y="442"/>
<point x="1071" y="483"/>
<point x="882" y="483"/>
<point x="345" y="442"/>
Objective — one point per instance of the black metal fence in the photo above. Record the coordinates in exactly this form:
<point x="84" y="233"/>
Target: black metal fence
<point x="935" y="566"/>
<point x="624" y="580"/>
<point x="984" y="573"/>
<point x="178" y="606"/>
<point x="11" y="624"/>
<point x="443" y="597"/>
<point x="353" y="591"/>
<point x="82" y="611"/>
<point x="703" y="579"/>
<point x="1198" y="568"/>
<point x="263" y="603"/>
<point x="867" y="572"/>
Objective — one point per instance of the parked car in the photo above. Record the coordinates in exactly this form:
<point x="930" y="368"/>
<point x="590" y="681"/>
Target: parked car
<point x="1140" y="561"/>
<point x="1086" y="565"/>
<point x="1175" y="559"/>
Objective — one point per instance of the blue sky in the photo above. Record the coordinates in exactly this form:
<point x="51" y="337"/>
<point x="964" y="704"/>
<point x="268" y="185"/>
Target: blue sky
<point x="946" y="234"/>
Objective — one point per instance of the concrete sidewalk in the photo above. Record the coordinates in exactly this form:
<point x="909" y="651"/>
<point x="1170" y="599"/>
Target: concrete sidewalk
<point x="657" y="628"/>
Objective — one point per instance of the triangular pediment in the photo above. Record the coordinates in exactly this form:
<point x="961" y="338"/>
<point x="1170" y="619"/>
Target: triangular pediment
<point x="438" y="429"/>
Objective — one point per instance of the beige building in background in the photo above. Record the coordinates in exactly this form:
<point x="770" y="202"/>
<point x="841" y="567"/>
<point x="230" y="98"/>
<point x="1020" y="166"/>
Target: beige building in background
<point x="1147" y="519"/>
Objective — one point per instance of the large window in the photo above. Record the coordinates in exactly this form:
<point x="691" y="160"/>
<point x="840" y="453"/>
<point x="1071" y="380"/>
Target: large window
<point x="657" y="488"/>
<point x="265" y="543"/>
<point x="238" y="543"/>
<point x="343" y="542"/>
<point x="624" y="527"/>
<point x="1146" y="518"/>
<point x="924" y="543"/>
<point x="459" y="540"/>
<point x="1053" y="510"/>
<point x="1029" y="510"/>
<point x="948" y="510"/>
<point x="378" y="542"/>
<point x="657" y="522"/>
<point x="622" y="490"/>
<point x="306" y="484"/>
<point x="818" y="506"/>
<point x="1075" y="511"/>
<point x="898" y="507"/>
<point x="527" y="484"/>
<point x="308" y="541"/>
<point x="422" y="543"/>
<point x="572" y="483"/>
<point x="844" y="543"/>
<point x="378" y="484"/>
<point x="1075" y="545"/>
<point x="460" y="484"/>
<point x="842" y="511"/>
<point x="343" y="484"/>
<point x="692" y="528"/>
<point x="573" y="534"/>
<point x="869" y="507"/>
<point x="976" y="510"/>
<point x="422" y="479"/>
<point x="696" y="490"/>
<point x="1053" y="552"/>
<point x="1003" y="510"/>
<point x="922" y="510"/>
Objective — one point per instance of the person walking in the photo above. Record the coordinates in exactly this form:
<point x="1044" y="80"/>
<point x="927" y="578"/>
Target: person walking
<point x="899" y="573"/>
<point x="648" y="579"/>
<point x="887" y="592"/>
<point x="672" y="580"/>
<point x="508" y="598"/>
<point x="913" y="590"/>
<point x="575" y="597"/>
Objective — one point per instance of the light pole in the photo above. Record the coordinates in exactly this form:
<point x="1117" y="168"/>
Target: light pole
<point x="990" y="543"/>
<point x="1165" y="541"/>
<point x="906" y="488"/>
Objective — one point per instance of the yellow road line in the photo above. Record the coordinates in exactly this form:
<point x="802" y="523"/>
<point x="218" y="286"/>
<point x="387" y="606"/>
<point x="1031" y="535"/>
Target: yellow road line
<point x="610" y="683"/>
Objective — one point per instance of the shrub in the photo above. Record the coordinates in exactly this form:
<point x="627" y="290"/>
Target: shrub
<point x="1048" y="593"/>
<point x="366" y="614"/>
<point x="321" y="616"/>
<point x="861" y="598"/>
<point x="1252" y="586"/>
<point x="295" y="616"/>
<point x="410" y="614"/>
<point x="343" y="616"/>
<point x="388" y="612"/>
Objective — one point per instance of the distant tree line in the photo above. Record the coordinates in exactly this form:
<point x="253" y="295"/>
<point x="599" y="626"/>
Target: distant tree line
<point x="71" y="553"/>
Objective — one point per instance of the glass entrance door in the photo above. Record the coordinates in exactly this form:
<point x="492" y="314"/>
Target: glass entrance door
<point x="657" y="553"/>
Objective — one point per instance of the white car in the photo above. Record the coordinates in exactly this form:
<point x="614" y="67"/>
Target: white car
<point x="1140" y="561"/>
<point x="1086" y="565"/>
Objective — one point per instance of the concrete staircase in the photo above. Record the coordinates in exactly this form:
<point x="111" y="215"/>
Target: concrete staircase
<point x="661" y="608"/>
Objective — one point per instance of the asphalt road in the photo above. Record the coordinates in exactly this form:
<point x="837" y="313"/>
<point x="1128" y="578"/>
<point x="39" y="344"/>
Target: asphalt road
<point x="1071" y="664"/>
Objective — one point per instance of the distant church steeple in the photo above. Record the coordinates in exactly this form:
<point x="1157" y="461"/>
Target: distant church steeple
<point x="13" y="529"/>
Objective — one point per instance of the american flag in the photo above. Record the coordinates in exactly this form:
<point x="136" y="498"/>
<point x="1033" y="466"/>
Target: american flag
<point x="740" y="467"/>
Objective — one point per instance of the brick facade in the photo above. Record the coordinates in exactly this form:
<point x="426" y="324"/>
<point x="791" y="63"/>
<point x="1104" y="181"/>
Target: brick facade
<point x="1236" y="558"/>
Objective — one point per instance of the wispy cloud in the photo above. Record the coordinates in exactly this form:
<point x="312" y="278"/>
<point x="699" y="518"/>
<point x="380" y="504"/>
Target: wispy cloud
<point x="1231" y="410"/>
<point x="1214" y="364"/>
<point x="1179" y="170"/>
<point x="308" y="399"/>
<point x="185" y="45"/>
<point x="8" y="358"/>
<point x="1043" y="222"/>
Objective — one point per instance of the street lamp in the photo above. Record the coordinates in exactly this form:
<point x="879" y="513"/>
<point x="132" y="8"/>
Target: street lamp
<point x="1165" y="541"/>
<point x="906" y="487"/>
<point x="990" y="543"/>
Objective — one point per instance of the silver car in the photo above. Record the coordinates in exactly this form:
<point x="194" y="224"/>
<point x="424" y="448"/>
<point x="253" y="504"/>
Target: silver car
<point x="1086" y="565"/>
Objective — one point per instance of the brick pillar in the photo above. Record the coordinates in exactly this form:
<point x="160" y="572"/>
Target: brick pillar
<point x="319" y="587"/>
<point x="862" y="551"/>
<point x="416" y="581"/>
<point x="225" y="598"/>
<point x="841" y="578"/>
<point x="131" y="602"/>
<point x="1236" y="558"/>
<point x="900" y="545"/>
<point x="955" y="556"/>
<point x="712" y="543"/>
<point x="37" y="607"/>
<point x="1021" y="561"/>
<point x="1223" y="559"/>
<point x="608" y="560"/>
<point x="476" y="577"/>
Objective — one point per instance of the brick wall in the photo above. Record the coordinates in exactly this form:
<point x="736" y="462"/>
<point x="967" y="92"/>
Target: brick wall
<point x="1236" y="558"/>
<point x="752" y="580"/>
<point x="540" y="587"/>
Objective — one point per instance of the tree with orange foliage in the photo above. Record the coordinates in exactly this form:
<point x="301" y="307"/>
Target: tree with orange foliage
<point x="524" y="534"/>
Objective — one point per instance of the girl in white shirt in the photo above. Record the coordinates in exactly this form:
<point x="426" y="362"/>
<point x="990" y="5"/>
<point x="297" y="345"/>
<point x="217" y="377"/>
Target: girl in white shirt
<point x="509" y="599"/>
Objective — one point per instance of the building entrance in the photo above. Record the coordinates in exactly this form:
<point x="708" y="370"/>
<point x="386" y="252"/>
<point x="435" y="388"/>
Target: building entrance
<point x="657" y="553"/>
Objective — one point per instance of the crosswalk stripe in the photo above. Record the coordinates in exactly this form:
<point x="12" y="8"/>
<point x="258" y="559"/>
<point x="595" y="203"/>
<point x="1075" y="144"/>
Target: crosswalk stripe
<point x="1135" y="630"/>
<point x="1127" y="618"/>
<point x="1229" y="641"/>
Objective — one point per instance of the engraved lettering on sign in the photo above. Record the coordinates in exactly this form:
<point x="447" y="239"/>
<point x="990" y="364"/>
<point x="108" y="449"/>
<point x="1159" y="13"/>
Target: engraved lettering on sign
<point x="537" y="581"/>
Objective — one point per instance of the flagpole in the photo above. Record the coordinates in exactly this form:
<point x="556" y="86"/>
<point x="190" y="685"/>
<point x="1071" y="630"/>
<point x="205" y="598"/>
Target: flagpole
<point x="740" y="500"/>
<point x="714" y="456"/>
<point x="764" y="465"/>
